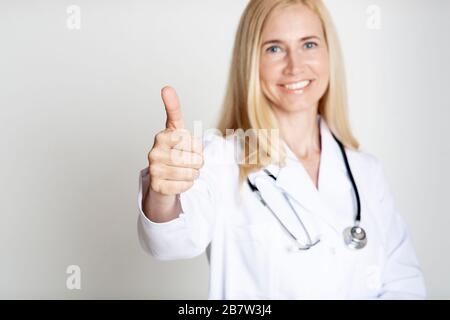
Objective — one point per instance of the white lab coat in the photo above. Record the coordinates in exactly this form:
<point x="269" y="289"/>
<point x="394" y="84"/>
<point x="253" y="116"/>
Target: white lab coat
<point x="249" y="252"/>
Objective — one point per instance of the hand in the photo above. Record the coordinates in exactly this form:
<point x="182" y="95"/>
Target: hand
<point x="176" y="156"/>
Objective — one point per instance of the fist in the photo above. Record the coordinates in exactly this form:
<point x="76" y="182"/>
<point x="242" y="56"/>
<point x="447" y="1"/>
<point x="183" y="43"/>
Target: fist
<point x="176" y="156"/>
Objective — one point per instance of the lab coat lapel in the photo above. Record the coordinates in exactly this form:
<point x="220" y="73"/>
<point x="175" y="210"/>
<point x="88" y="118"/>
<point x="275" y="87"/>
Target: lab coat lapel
<point x="273" y="197"/>
<point x="333" y="181"/>
<point x="335" y="188"/>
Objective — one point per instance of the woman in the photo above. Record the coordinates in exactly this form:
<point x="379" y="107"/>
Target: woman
<point x="276" y="220"/>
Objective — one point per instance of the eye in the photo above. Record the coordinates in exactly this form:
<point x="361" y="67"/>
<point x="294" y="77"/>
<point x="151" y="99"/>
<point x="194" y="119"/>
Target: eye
<point x="310" y="45"/>
<point x="272" y="49"/>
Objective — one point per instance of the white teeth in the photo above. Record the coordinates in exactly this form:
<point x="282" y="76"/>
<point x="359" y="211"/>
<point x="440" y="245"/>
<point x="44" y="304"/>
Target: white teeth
<point x="297" y="86"/>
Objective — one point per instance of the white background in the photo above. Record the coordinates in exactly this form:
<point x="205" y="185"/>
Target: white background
<point x="79" y="109"/>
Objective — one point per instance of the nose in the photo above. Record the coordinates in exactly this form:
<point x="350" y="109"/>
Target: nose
<point x="295" y="64"/>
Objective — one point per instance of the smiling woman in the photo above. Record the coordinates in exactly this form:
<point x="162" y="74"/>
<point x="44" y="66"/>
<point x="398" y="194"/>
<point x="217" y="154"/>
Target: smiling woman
<point x="294" y="65"/>
<point x="294" y="72"/>
<point x="314" y="217"/>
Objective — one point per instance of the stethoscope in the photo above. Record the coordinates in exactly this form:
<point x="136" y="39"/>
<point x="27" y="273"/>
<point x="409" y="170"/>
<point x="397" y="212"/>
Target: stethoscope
<point x="355" y="237"/>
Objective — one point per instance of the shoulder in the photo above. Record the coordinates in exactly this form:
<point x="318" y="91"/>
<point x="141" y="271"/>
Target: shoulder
<point x="363" y="159"/>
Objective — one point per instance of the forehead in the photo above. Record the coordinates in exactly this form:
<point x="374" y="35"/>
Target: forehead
<point x="294" y="21"/>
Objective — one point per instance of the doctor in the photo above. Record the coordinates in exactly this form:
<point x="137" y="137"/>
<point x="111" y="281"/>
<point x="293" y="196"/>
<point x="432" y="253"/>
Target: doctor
<point x="313" y="216"/>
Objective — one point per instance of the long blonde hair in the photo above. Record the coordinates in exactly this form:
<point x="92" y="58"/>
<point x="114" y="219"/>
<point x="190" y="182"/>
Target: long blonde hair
<point x="245" y="106"/>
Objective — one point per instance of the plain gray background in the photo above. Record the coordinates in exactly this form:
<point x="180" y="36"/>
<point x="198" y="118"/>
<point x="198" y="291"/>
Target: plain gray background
<point x="79" y="110"/>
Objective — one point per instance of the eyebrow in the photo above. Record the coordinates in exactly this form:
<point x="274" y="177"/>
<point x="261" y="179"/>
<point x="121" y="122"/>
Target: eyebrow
<point x="300" y="40"/>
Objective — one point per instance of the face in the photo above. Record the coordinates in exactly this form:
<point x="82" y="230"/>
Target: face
<point x="294" y="69"/>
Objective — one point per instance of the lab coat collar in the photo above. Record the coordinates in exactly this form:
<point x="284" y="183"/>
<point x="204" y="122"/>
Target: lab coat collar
<point x="294" y="179"/>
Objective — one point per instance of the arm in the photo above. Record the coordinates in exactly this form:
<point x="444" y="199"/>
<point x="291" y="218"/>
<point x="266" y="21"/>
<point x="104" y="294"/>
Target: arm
<point x="402" y="276"/>
<point x="188" y="234"/>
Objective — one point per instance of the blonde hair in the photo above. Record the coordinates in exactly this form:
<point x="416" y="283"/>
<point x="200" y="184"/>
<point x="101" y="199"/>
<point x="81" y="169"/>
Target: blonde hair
<point x="245" y="106"/>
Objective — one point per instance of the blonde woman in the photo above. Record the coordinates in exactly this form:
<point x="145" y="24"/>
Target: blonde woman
<point x="282" y="200"/>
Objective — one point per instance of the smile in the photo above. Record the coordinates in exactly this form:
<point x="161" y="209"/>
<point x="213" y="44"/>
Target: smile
<point x="297" y="87"/>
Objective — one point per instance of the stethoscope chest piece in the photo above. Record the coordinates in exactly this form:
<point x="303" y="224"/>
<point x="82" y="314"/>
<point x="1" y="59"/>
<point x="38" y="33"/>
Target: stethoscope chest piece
<point x="355" y="237"/>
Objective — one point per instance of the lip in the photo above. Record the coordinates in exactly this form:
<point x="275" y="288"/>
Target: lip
<point x="299" y="91"/>
<point x="295" y="81"/>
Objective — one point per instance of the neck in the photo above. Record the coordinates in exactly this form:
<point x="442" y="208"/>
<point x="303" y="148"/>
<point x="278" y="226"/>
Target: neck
<point x="301" y="132"/>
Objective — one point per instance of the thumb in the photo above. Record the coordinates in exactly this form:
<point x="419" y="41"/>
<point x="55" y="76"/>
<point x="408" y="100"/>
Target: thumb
<point x="173" y="109"/>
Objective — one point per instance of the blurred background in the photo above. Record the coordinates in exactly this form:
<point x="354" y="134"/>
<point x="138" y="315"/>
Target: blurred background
<point x="80" y="104"/>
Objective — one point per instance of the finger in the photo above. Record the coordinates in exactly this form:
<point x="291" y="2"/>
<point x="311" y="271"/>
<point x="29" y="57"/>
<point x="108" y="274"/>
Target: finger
<point x="165" y="172"/>
<point x="176" y="158"/>
<point x="189" y="143"/>
<point x="173" y="108"/>
<point x="179" y="158"/>
<point x="180" y="139"/>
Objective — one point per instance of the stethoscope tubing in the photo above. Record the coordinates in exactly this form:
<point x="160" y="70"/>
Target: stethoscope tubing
<point x="351" y="240"/>
<point x="352" y="180"/>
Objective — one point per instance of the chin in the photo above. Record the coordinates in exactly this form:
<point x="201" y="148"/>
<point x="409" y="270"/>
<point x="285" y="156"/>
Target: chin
<point x="294" y="108"/>
<point x="292" y="104"/>
<point x="298" y="106"/>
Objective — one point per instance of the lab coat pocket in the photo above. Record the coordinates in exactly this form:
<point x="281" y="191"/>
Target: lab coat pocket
<point x="254" y="263"/>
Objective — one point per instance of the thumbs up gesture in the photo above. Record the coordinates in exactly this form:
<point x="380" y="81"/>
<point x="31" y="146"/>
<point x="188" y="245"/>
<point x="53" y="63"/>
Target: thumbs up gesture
<point x="176" y="156"/>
